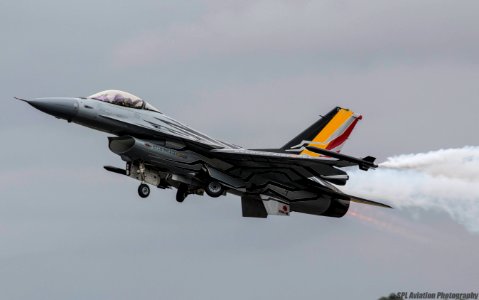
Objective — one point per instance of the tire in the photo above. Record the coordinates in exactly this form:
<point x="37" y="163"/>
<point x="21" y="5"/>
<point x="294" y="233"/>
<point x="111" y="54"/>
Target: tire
<point x="143" y="190"/>
<point x="214" y="189"/>
<point x="182" y="192"/>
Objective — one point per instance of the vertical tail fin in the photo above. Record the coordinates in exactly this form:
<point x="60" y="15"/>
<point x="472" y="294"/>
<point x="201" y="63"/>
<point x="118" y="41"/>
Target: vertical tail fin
<point x="330" y="132"/>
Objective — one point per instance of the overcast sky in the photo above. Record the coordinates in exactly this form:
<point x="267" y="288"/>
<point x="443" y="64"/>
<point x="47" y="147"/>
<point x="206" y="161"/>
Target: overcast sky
<point x="254" y="73"/>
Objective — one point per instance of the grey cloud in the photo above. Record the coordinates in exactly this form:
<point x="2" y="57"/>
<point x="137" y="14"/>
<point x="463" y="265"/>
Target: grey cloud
<point x="253" y="73"/>
<point x="410" y="104"/>
<point x="331" y="29"/>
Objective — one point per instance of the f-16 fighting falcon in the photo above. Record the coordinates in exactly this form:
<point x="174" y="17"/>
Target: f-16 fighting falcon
<point x="159" y="151"/>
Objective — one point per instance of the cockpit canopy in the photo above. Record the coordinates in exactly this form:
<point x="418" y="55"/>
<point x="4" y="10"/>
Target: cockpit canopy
<point x="123" y="99"/>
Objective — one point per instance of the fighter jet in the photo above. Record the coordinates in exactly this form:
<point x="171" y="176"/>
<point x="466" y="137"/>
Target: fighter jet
<point x="302" y="176"/>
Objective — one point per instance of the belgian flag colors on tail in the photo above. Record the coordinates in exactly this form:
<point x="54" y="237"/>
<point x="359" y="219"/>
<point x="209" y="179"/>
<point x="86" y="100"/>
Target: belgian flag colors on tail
<point x="330" y="132"/>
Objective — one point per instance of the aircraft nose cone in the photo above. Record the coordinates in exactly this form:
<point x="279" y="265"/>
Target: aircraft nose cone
<point x="65" y="108"/>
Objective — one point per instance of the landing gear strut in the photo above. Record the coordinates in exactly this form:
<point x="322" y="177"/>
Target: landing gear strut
<point x="143" y="190"/>
<point x="182" y="192"/>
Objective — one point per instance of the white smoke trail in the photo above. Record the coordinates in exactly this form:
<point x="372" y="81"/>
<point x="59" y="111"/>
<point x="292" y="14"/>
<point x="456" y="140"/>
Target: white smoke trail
<point x="443" y="180"/>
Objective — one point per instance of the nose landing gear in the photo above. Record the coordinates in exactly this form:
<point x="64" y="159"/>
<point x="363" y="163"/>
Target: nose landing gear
<point x="143" y="190"/>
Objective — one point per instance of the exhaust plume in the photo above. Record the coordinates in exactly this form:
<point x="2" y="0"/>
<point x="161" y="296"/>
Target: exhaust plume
<point x="444" y="180"/>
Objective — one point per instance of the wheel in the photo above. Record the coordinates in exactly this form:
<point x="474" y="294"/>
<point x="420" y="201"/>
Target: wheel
<point x="182" y="192"/>
<point x="214" y="189"/>
<point x="143" y="190"/>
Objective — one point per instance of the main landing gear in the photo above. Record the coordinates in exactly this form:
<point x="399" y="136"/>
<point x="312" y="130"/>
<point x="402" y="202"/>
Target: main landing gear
<point x="143" y="190"/>
<point x="182" y="192"/>
<point x="214" y="189"/>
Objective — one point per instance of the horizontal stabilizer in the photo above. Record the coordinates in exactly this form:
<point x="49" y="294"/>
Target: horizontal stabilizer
<point x="115" y="170"/>
<point x="363" y="163"/>
<point x="340" y="195"/>
<point x="368" y="202"/>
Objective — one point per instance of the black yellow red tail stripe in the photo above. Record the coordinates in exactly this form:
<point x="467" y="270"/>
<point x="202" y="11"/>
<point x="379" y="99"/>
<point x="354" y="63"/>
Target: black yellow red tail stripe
<point x="330" y="132"/>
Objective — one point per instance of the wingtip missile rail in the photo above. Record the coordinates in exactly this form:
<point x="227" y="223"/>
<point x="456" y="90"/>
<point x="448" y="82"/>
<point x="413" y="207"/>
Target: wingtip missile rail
<point x="364" y="164"/>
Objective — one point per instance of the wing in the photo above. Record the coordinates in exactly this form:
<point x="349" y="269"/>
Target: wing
<point x="306" y="167"/>
<point x="244" y="157"/>
<point x="165" y="128"/>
